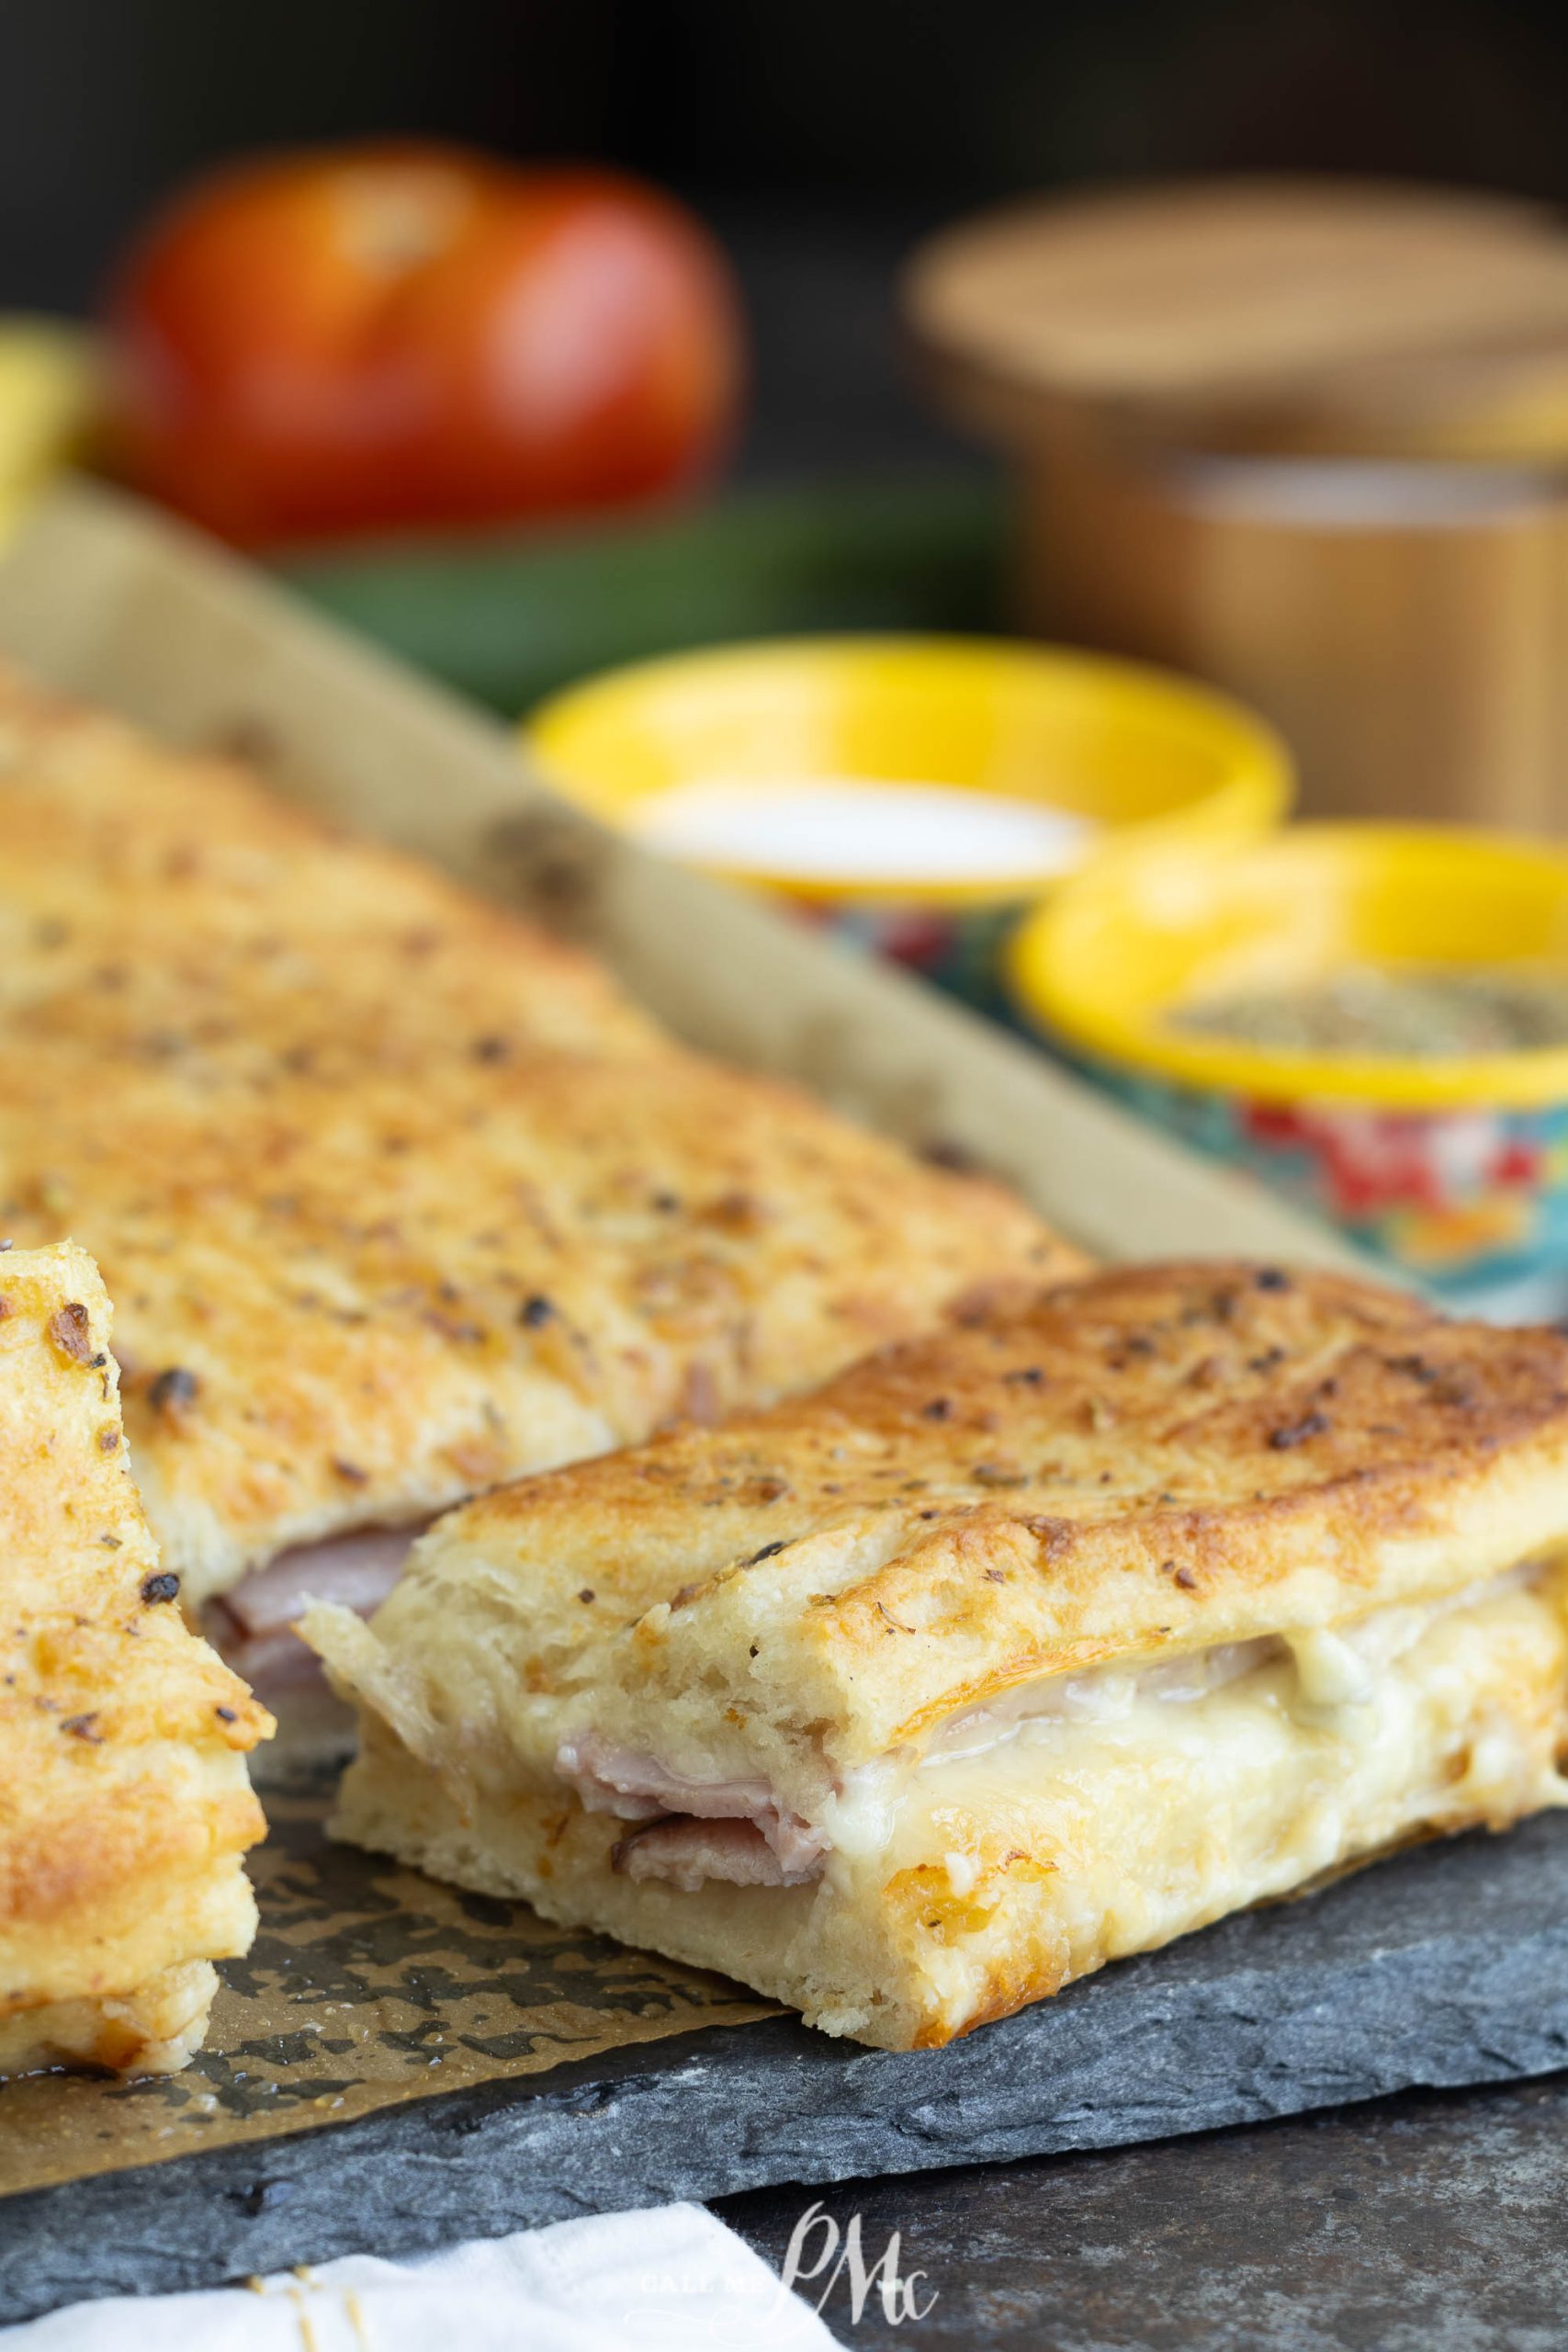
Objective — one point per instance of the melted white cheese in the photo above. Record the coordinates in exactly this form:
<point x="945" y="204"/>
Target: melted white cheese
<point x="1073" y="1842"/>
<point x="1334" y="1665"/>
<point x="1255" y="1767"/>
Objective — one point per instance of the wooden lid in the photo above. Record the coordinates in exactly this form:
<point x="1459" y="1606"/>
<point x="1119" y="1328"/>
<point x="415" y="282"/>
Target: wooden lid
<point x="1232" y="292"/>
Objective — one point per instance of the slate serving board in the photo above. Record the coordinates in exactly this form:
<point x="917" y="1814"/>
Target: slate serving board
<point x="590" y="2078"/>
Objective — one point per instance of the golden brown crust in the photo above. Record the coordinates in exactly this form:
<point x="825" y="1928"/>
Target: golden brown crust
<point x="979" y="1896"/>
<point x="124" y="1803"/>
<point x="1155" y="1458"/>
<point x="154" y="2030"/>
<point x="395" y="1197"/>
<point x="767" y="1623"/>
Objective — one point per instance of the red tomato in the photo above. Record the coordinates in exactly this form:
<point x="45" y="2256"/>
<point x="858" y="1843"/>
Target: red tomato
<point x="398" y="335"/>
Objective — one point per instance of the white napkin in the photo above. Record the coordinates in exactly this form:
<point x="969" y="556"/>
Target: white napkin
<point x="671" y="2277"/>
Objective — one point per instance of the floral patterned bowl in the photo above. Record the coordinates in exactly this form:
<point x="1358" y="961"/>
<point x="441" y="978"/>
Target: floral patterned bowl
<point x="1455" y="1168"/>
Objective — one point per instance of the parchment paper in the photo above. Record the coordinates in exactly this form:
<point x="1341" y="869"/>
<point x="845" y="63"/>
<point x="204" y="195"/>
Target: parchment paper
<point x="366" y="1985"/>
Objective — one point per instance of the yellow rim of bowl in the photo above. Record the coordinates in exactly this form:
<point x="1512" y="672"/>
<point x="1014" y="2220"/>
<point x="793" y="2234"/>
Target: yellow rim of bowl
<point x="1254" y="796"/>
<point x="1045" y="991"/>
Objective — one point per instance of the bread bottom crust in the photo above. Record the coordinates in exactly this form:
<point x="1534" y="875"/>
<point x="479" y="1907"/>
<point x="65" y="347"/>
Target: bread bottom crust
<point x="996" y="1887"/>
<point x="154" y="2030"/>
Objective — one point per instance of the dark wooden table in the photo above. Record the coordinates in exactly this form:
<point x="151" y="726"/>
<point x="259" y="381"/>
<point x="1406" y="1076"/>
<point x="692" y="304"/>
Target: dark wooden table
<point x="1432" y="2222"/>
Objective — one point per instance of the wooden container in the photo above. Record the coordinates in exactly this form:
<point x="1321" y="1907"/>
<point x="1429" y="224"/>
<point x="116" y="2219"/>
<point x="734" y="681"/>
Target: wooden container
<point x="1308" y="442"/>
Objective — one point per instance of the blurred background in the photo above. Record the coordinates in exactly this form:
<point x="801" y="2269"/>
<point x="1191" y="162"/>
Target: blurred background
<point x="822" y="138"/>
<point x="801" y="419"/>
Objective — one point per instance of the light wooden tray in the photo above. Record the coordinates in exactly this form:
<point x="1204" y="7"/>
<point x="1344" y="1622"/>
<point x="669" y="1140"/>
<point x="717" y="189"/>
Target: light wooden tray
<point x="103" y="598"/>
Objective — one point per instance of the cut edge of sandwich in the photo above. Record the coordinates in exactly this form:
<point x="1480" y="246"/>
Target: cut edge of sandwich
<point x="127" y="1809"/>
<point x="988" y="1896"/>
<point x="155" y="2029"/>
<point x="909" y="1778"/>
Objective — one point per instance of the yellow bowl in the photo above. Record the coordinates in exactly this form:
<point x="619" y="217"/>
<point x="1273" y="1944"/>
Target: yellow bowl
<point x="1456" y="1167"/>
<point x="49" y="401"/>
<point x="1128" y="748"/>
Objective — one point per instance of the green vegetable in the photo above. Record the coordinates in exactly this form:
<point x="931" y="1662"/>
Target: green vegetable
<point x="509" y="620"/>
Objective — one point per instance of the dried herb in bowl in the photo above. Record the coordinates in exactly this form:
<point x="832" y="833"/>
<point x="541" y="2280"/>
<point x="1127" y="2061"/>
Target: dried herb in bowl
<point x="1428" y="1013"/>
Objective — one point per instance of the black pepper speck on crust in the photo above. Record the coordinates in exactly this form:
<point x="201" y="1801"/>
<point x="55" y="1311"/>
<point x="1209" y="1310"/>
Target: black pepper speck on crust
<point x="286" y="1083"/>
<point x="123" y="1818"/>
<point x="71" y="1331"/>
<point x="1201" y="1503"/>
<point x="1289" y="1434"/>
<point x="172" y="1388"/>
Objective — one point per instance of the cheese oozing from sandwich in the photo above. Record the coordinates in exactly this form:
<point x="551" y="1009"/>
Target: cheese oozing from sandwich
<point x="1013" y="1650"/>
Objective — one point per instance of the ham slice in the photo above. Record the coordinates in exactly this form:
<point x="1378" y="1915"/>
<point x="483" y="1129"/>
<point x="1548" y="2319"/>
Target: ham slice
<point x="636" y="1787"/>
<point x="250" y="1627"/>
<point x="686" y="1852"/>
<point x="358" y="1570"/>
